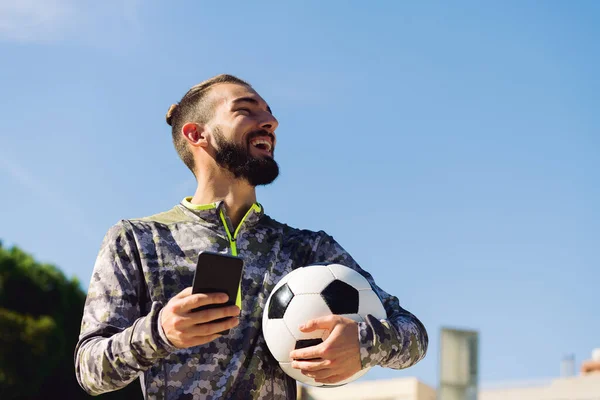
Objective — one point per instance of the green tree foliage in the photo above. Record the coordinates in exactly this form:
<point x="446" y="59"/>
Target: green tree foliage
<point x="40" y="317"/>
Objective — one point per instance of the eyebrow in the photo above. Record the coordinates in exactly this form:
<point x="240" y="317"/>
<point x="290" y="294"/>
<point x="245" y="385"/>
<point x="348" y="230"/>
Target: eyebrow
<point x="250" y="100"/>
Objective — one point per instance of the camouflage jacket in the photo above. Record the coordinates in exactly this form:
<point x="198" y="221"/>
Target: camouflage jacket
<point x="143" y="263"/>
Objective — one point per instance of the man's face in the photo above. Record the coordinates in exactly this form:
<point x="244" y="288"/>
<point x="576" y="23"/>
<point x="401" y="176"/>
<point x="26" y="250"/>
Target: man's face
<point x="243" y="129"/>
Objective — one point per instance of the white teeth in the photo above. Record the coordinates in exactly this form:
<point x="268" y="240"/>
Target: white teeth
<point x="257" y="141"/>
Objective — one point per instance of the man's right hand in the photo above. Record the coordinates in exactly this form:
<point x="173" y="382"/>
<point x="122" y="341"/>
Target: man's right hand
<point x="185" y="328"/>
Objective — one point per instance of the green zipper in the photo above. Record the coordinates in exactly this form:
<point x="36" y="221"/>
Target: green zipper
<point x="232" y="243"/>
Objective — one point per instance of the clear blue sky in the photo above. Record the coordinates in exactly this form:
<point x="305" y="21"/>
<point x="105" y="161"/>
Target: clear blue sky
<point x="454" y="150"/>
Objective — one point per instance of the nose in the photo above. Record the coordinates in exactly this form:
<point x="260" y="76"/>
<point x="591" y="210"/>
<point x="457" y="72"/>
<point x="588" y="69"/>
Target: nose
<point x="269" y="123"/>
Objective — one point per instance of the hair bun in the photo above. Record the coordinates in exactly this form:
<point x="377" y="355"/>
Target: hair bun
<point x="169" y="116"/>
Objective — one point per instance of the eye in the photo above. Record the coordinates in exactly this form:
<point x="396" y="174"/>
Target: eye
<point x="243" y="109"/>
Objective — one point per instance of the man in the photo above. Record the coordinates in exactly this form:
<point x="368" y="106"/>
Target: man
<point x="137" y="319"/>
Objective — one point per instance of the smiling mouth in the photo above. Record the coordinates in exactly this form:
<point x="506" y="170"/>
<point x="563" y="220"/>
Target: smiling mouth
<point x="262" y="143"/>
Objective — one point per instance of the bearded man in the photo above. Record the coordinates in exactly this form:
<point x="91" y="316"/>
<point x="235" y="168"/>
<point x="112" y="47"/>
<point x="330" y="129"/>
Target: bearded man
<point x="138" y="318"/>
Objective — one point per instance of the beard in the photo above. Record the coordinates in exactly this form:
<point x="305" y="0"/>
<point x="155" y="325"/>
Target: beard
<point x="238" y="160"/>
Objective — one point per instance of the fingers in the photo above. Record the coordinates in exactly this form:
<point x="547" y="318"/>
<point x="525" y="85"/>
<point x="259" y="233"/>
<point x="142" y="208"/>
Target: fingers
<point x="204" y="333"/>
<point x="324" y="370"/>
<point x="308" y="353"/>
<point x="312" y="365"/>
<point x="186" y="328"/>
<point x="212" y="328"/>
<point x="205" y="316"/>
<point x="182" y="322"/>
<point x="319" y="369"/>
<point x="191" y="301"/>
<point x="200" y="334"/>
<point x="336" y="358"/>
<point x="327" y="322"/>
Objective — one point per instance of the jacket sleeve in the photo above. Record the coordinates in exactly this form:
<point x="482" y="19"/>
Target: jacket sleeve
<point x="116" y="343"/>
<point x="397" y="342"/>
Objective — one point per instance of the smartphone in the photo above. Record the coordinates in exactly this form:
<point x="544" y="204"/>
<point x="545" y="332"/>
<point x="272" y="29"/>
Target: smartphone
<point x="218" y="273"/>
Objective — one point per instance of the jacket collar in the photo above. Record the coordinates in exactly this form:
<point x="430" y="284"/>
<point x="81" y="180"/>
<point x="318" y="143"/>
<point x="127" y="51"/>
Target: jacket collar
<point x="211" y="213"/>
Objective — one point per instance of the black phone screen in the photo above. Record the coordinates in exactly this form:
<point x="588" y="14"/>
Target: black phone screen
<point x="217" y="273"/>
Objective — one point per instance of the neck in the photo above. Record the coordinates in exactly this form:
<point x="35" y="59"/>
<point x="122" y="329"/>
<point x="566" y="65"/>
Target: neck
<point x="237" y="195"/>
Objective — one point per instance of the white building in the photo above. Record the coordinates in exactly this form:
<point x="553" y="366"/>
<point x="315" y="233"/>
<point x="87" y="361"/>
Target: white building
<point x="571" y="388"/>
<point x="391" y="389"/>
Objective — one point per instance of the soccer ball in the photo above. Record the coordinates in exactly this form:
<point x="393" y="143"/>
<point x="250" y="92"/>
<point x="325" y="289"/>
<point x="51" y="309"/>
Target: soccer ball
<point x="312" y="292"/>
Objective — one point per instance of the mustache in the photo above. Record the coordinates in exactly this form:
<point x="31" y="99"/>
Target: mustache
<point x="259" y="133"/>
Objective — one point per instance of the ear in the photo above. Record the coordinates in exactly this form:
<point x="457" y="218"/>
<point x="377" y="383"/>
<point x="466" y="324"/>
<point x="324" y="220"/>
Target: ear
<point x="194" y="134"/>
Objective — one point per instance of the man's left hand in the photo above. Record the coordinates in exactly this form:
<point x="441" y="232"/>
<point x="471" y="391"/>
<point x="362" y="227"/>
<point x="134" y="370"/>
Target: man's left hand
<point x="337" y="358"/>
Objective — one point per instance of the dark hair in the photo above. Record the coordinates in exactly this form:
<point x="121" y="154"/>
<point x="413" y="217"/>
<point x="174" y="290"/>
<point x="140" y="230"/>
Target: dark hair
<point x="194" y="107"/>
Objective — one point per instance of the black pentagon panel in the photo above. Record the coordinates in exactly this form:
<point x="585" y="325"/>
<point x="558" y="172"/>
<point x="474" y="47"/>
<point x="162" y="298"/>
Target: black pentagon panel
<point x="301" y="344"/>
<point x="280" y="301"/>
<point x="341" y="298"/>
